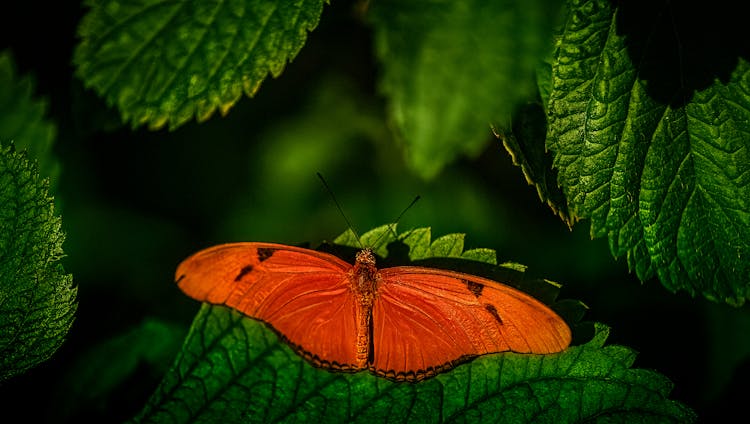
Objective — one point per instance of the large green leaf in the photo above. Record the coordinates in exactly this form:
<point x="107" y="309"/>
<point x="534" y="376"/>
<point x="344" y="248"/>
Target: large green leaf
<point x="37" y="300"/>
<point x="667" y="180"/>
<point x="164" y="62"/>
<point x="235" y="369"/>
<point x="450" y="68"/>
<point x="22" y="118"/>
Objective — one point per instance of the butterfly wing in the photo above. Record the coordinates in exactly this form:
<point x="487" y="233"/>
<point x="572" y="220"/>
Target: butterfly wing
<point x="303" y="294"/>
<point x="428" y="320"/>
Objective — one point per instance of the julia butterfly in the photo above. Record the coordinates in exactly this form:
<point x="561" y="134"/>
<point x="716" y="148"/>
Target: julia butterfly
<point x="404" y="323"/>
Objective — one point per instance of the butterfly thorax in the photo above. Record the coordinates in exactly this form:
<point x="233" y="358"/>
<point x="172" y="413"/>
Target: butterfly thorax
<point x="364" y="277"/>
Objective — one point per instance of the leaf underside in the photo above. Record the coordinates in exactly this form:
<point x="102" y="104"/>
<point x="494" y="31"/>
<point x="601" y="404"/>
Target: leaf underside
<point x="235" y="369"/>
<point x="666" y="178"/>
<point x="525" y="144"/>
<point x="163" y="62"/>
<point x="37" y="299"/>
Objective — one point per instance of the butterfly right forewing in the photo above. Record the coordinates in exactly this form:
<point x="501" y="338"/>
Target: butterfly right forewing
<point x="302" y="294"/>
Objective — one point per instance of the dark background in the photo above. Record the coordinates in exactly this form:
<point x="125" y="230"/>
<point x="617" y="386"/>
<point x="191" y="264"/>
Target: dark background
<point x="136" y="202"/>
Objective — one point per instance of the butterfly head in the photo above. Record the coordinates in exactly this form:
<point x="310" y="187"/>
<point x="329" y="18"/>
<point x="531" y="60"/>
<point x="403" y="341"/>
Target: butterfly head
<point x="365" y="257"/>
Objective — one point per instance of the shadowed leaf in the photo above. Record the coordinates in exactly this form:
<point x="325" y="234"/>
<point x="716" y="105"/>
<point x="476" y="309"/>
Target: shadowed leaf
<point x="100" y="375"/>
<point x="525" y="142"/>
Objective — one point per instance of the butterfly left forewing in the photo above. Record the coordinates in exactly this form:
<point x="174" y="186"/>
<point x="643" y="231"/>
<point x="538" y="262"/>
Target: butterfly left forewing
<point x="302" y="294"/>
<point x="428" y="320"/>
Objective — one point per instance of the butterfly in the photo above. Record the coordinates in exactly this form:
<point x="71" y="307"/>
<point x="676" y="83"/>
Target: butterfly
<point x="404" y="323"/>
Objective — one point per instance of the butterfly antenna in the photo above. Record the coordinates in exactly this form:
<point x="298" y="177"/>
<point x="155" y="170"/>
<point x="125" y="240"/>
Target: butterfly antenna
<point x="338" y="206"/>
<point x="395" y="221"/>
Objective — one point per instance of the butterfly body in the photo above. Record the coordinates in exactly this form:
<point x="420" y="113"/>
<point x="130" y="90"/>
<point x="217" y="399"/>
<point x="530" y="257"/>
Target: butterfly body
<point x="363" y="279"/>
<point x="403" y="323"/>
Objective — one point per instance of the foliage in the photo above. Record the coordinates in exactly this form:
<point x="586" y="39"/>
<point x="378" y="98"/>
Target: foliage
<point x="667" y="183"/>
<point x="664" y="181"/>
<point x="631" y="115"/>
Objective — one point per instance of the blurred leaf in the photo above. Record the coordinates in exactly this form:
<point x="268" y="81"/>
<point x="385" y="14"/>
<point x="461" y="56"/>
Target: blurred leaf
<point x="668" y="184"/>
<point x="164" y="62"/>
<point x="37" y="299"/>
<point x="335" y="116"/>
<point x="235" y="369"/>
<point x="450" y="68"/>
<point x="104" y="369"/>
<point x="22" y="119"/>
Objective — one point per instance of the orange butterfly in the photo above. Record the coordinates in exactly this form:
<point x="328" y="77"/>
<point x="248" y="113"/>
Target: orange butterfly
<point x="404" y="323"/>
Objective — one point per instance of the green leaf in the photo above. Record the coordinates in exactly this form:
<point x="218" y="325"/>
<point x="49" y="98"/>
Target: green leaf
<point x="450" y="68"/>
<point x="164" y="62"/>
<point x="235" y="369"/>
<point x="37" y="299"/>
<point x="667" y="182"/>
<point x="22" y="120"/>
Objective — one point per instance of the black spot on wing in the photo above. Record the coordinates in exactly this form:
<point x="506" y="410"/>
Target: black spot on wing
<point x="180" y="279"/>
<point x="493" y="311"/>
<point x="244" y="271"/>
<point x="474" y="288"/>
<point x="265" y="253"/>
